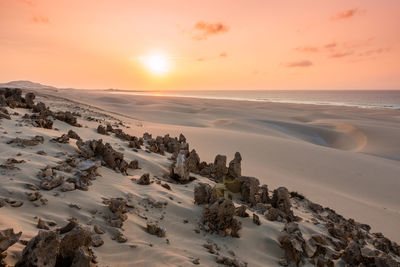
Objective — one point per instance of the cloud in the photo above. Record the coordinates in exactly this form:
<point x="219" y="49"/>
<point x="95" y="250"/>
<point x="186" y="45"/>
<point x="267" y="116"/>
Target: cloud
<point x="223" y="54"/>
<point x="301" y="63"/>
<point x="341" y="54"/>
<point x="331" y="45"/>
<point x="40" y="19"/>
<point x="200" y="59"/>
<point x="202" y="30"/>
<point x="372" y="52"/>
<point x="346" y="14"/>
<point x="307" y="49"/>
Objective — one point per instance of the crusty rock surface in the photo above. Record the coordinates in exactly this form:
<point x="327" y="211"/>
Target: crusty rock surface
<point x="202" y="193"/>
<point x="235" y="169"/>
<point x="27" y="142"/>
<point x="218" y="217"/>
<point x="154" y="229"/>
<point x="144" y="179"/>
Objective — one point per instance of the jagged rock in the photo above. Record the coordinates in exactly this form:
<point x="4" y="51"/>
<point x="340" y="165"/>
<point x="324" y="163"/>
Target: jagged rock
<point x="134" y="164"/>
<point x="113" y="159"/>
<point x="144" y="179"/>
<point x="202" y="193"/>
<point x="118" y="208"/>
<point x="67" y="117"/>
<point x="42" y="250"/>
<point x="182" y="138"/>
<point x="230" y="262"/>
<point x="4" y="114"/>
<point x="219" y="169"/>
<point x="180" y="169"/>
<point x="241" y="211"/>
<point x="10" y="164"/>
<point x="264" y="195"/>
<point x="249" y="188"/>
<point x="42" y="225"/>
<point x="63" y="139"/>
<point x="235" y="169"/>
<point x="98" y="230"/>
<point x="154" y="229"/>
<point x="34" y="196"/>
<point x="193" y="161"/>
<point x="67" y="187"/>
<point x="281" y="201"/>
<point x="49" y="179"/>
<point x="219" y="217"/>
<point x="27" y="142"/>
<point x="73" y="135"/>
<point x="8" y="238"/>
<point x="256" y="219"/>
<point x="97" y="241"/>
<point x="292" y="243"/>
<point x="352" y="254"/>
<point x="102" y="130"/>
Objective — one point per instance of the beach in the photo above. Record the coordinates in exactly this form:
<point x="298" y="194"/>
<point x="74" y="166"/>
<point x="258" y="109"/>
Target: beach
<point x="344" y="158"/>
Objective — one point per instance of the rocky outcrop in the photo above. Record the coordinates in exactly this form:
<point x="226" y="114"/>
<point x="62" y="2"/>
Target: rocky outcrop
<point x="34" y="141"/>
<point x="281" y="201"/>
<point x="219" y="217"/>
<point x="63" y="139"/>
<point x="292" y="243"/>
<point x="8" y="238"/>
<point x="73" y="135"/>
<point x="144" y="179"/>
<point x="96" y="148"/>
<point x="235" y="169"/>
<point x="219" y="169"/>
<point x="249" y="188"/>
<point x="154" y="229"/>
<point x="118" y="208"/>
<point x="202" y="193"/>
<point x="49" y="179"/>
<point x="68" y="246"/>
<point x="180" y="169"/>
<point x="102" y="130"/>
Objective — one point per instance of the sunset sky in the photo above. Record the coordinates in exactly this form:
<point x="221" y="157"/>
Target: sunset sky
<point x="201" y="45"/>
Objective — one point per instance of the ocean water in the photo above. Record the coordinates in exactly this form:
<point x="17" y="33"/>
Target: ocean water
<point x="357" y="98"/>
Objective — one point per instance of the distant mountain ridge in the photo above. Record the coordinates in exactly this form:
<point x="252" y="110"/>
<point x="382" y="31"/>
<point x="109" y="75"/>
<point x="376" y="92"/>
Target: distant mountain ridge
<point x="28" y="85"/>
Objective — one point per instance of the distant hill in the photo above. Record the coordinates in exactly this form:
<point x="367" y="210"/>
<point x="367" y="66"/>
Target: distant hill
<point x="28" y="85"/>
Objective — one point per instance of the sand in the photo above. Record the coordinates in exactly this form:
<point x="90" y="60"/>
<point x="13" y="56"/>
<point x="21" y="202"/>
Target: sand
<point x="344" y="158"/>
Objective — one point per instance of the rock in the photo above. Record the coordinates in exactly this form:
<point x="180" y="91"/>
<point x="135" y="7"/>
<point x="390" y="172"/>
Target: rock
<point x="42" y="225"/>
<point x="50" y="182"/>
<point x="42" y="250"/>
<point x="63" y="139"/>
<point x="180" y="169"/>
<point x="241" y="211"/>
<point x="193" y="161"/>
<point x="8" y="238"/>
<point x="235" y="169"/>
<point x="219" y="217"/>
<point x="166" y="186"/>
<point x="134" y="164"/>
<point x="292" y="243"/>
<point x="230" y="262"/>
<point x="144" y="179"/>
<point x="281" y="201"/>
<point x="102" y="130"/>
<point x="34" y="196"/>
<point x="67" y="117"/>
<point x="219" y="169"/>
<point x="97" y="241"/>
<point x="154" y="229"/>
<point x="73" y="135"/>
<point x="118" y="207"/>
<point x="249" y="188"/>
<point x="202" y="193"/>
<point x="98" y="230"/>
<point x="352" y="254"/>
<point x="256" y="219"/>
<point x="67" y="187"/>
<point x="27" y="142"/>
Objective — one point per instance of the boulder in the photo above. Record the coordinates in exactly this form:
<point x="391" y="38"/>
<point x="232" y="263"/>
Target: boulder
<point x="202" y="193"/>
<point x="144" y="179"/>
<point x="249" y="188"/>
<point x="219" y="169"/>
<point x="235" y="169"/>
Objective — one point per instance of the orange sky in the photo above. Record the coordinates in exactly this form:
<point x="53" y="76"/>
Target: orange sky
<point x="217" y="44"/>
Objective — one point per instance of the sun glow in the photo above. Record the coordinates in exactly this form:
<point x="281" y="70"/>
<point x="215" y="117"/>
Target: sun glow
<point x="157" y="64"/>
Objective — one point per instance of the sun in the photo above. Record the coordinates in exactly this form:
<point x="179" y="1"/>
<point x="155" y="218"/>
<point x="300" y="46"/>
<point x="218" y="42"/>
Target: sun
<point x="157" y="63"/>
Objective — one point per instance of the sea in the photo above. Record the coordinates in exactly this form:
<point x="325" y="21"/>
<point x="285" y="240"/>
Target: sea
<point x="375" y="99"/>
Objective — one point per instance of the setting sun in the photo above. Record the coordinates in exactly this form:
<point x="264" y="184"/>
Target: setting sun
<point x="157" y="64"/>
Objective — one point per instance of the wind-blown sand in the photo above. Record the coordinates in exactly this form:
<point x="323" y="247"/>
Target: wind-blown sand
<point x="343" y="158"/>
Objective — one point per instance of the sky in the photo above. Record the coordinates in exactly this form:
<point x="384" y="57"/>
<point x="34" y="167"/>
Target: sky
<point x="202" y="45"/>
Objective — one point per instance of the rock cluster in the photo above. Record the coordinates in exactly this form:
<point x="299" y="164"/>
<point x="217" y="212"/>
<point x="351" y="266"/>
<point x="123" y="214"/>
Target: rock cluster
<point x="219" y="217"/>
<point x="34" y="141"/>
<point x="63" y="139"/>
<point x="154" y="229"/>
<point x="162" y="144"/>
<point x="10" y="164"/>
<point x="118" y="208"/>
<point x="95" y="148"/>
<point x="67" y="246"/>
<point x="12" y="97"/>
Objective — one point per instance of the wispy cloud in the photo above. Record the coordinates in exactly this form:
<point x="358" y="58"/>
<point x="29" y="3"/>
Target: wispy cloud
<point x="341" y="54"/>
<point x="301" y="64"/>
<point x="346" y="14"/>
<point x="40" y="19"/>
<point x="202" y="30"/>
<point x="223" y="54"/>
<point x="307" y="49"/>
<point x="200" y="59"/>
